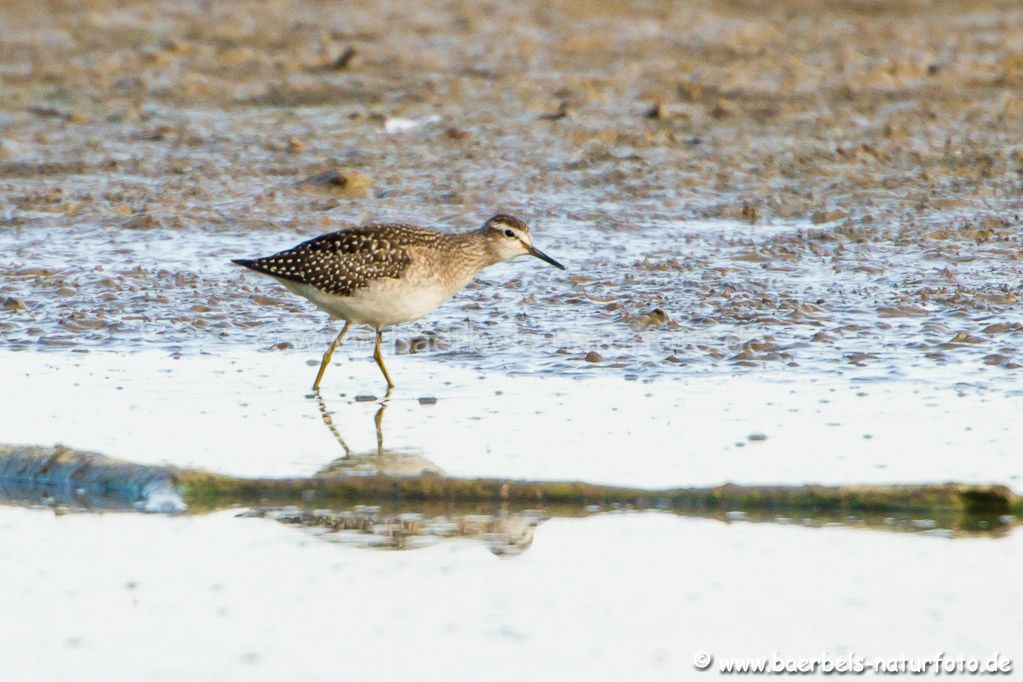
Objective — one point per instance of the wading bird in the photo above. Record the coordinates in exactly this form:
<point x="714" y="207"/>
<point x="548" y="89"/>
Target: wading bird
<point x="382" y="275"/>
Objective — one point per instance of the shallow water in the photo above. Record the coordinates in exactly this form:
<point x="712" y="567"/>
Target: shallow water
<point x="666" y="299"/>
<point x="223" y="596"/>
<point x="124" y="597"/>
<point x="250" y="414"/>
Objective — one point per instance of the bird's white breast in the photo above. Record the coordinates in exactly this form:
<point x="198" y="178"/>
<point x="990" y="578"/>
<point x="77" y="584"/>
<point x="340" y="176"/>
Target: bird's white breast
<point x="382" y="303"/>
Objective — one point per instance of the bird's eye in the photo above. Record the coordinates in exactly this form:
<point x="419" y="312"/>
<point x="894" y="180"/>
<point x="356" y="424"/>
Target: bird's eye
<point x="509" y="233"/>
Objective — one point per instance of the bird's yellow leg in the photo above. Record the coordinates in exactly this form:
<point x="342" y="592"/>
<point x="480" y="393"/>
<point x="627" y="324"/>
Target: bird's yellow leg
<point x="379" y="357"/>
<point x="378" y="419"/>
<point x="328" y="354"/>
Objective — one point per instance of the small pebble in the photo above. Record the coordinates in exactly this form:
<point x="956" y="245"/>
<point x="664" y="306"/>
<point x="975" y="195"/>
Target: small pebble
<point x="344" y="59"/>
<point x="347" y="183"/>
<point x="657" y="111"/>
<point x="13" y="305"/>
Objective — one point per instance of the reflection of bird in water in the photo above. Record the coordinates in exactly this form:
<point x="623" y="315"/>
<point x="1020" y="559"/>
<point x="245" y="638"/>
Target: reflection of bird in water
<point x="388" y="463"/>
<point x="406" y="527"/>
<point x="382" y="275"/>
<point x="506" y="534"/>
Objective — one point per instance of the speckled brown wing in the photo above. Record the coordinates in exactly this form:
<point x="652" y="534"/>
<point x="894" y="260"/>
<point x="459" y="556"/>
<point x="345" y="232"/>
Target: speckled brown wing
<point x="341" y="262"/>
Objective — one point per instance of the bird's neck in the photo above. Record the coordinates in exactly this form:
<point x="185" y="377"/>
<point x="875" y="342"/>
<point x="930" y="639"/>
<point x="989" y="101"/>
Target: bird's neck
<point x="475" y="252"/>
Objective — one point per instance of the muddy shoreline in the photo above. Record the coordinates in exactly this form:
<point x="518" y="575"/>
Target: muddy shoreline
<point x="866" y="165"/>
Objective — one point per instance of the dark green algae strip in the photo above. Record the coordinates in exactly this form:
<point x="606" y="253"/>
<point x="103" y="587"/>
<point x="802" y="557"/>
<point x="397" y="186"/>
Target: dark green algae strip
<point x="28" y="472"/>
<point x="948" y="497"/>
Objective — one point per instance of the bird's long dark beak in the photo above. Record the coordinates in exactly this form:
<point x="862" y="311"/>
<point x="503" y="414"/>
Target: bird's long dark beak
<point x="533" y="251"/>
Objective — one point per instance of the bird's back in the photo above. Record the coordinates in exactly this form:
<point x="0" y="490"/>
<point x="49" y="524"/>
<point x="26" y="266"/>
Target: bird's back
<point x="339" y="263"/>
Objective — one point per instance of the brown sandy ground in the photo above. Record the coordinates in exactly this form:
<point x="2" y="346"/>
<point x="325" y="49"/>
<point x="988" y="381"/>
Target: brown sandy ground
<point x="886" y="134"/>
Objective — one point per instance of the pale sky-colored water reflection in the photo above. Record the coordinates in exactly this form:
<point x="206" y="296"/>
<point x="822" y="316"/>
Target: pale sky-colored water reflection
<point x="616" y="596"/>
<point x="250" y="414"/>
<point x="221" y="597"/>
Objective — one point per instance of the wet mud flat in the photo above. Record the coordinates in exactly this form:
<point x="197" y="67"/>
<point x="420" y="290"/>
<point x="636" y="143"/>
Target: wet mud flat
<point x="801" y="182"/>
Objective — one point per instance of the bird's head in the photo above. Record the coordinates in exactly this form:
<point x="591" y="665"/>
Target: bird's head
<point x="510" y="237"/>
